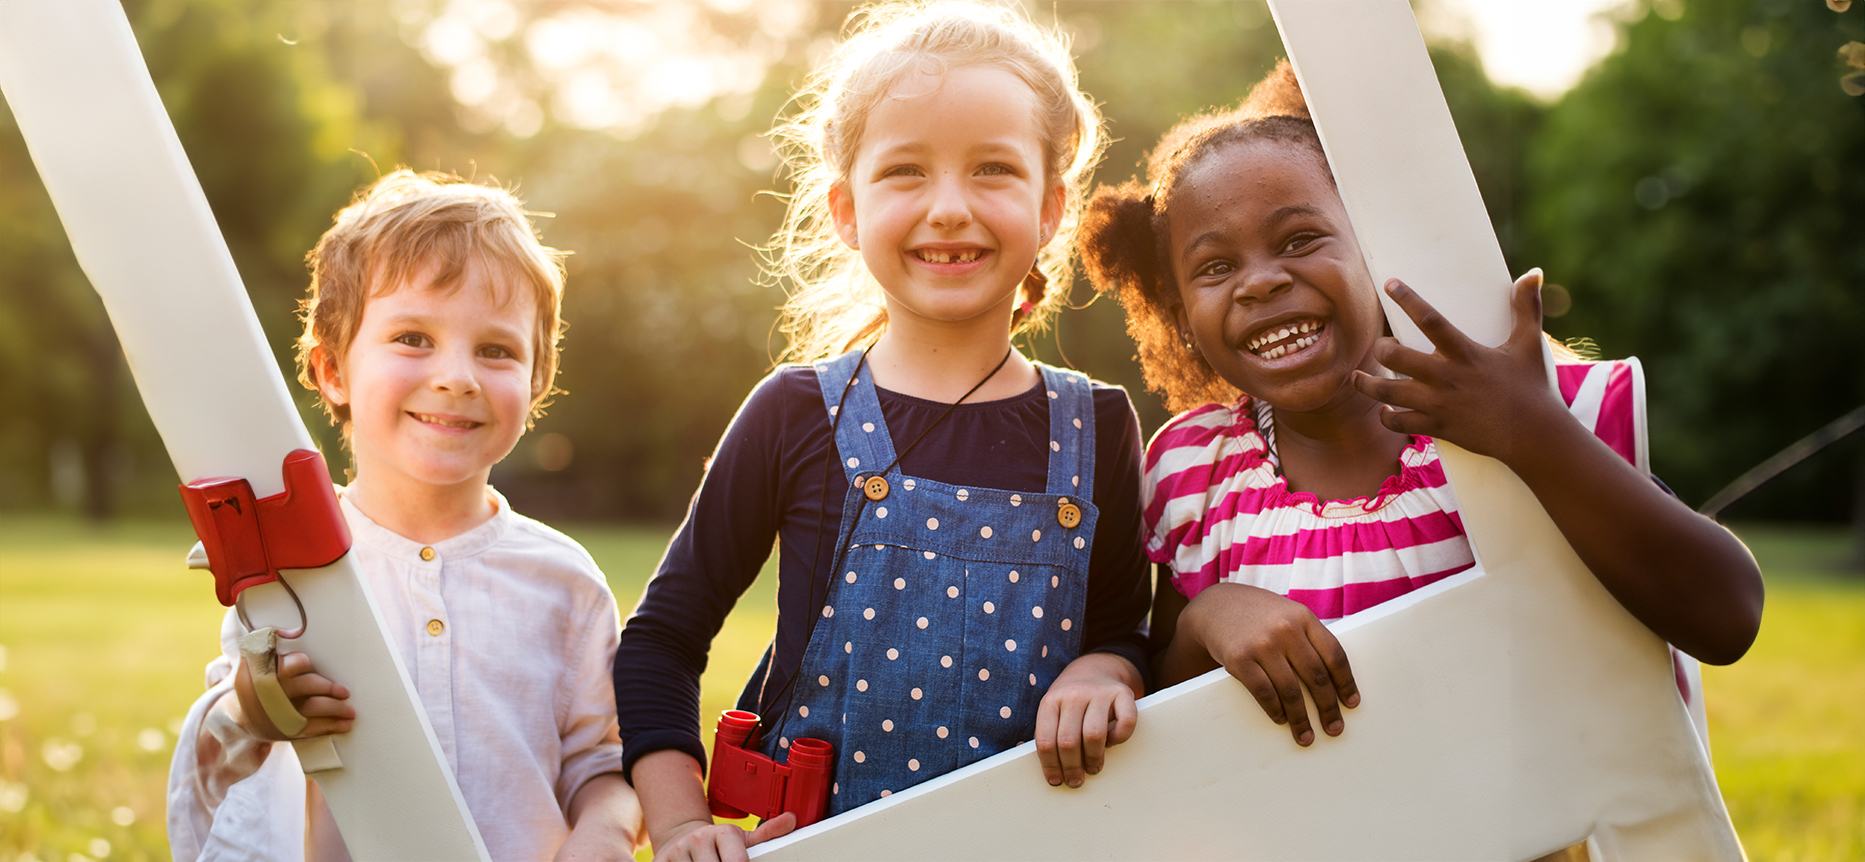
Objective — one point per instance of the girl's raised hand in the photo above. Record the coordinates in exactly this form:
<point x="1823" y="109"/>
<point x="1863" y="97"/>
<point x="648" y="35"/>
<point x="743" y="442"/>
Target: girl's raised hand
<point x="1478" y="397"/>
<point x="1089" y="708"/>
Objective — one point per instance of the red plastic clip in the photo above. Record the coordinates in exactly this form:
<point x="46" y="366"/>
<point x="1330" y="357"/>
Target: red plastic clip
<point x="248" y="540"/>
<point x="744" y="782"/>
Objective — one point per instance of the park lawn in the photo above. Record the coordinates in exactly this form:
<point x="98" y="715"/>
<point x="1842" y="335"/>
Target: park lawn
<point x="103" y="635"/>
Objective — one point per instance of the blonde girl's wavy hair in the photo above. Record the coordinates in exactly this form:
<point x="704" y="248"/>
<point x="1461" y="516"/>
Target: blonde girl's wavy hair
<point x="834" y="304"/>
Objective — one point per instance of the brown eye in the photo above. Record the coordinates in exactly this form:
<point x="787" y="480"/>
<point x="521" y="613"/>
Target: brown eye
<point x="411" y="339"/>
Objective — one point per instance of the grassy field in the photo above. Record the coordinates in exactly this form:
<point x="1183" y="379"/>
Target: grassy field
<point x="103" y="635"/>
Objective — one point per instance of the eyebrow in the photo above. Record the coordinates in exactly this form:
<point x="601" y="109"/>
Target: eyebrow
<point x="1269" y="223"/>
<point x="1289" y="212"/>
<point x="985" y="149"/>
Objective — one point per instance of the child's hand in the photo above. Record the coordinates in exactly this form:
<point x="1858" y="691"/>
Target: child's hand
<point x="706" y="841"/>
<point x="318" y="699"/>
<point x="1275" y="647"/>
<point x="1480" y="398"/>
<point x="1089" y="708"/>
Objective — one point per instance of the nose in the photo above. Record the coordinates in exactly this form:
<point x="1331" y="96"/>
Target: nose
<point x="456" y="373"/>
<point x="1261" y="281"/>
<point x="949" y="208"/>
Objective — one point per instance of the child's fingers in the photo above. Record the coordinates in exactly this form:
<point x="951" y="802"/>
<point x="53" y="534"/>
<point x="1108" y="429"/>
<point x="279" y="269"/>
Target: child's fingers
<point x="1258" y="684"/>
<point x="1409" y="394"/>
<point x="1314" y="674"/>
<point x="1288" y="684"/>
<point x="1393" y="354"/>
<point x="1126" y="718"/>
<point x="1048" y="716"/>
<point x="1525" y="304"/>
<point x="299" y="679"/>
<point x="324" y="707"/>
<point x="1069" y="742"/>
<point x="1445" y="336"/>
<point x="1334" y="656"/>
<point x="1094" y="733"/>
<point x="776" y="827"/>
<point x="1409" y="421"/>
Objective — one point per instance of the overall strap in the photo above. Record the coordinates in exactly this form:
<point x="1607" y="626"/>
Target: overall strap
<point x="1071" y="432"/>
<point x="860" y="433"/>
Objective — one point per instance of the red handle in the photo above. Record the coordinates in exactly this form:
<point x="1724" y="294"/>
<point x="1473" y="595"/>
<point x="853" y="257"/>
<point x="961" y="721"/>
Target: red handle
<point x="249" y="540"/>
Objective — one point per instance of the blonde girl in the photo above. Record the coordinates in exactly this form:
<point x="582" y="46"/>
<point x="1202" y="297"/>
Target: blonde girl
<point x="957" y="528"/>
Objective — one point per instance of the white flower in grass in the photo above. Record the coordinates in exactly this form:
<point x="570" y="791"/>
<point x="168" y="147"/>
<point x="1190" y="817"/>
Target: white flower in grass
<point x="12" y="797"/>
<point x="61" y="755"/>
<point x="122" y="815"/>
<point x="150" y="739"/>
<point x="9" y="708"/>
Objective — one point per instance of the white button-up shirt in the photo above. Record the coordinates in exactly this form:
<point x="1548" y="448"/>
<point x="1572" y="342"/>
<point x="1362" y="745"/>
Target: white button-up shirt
<point x="507" y="630"/>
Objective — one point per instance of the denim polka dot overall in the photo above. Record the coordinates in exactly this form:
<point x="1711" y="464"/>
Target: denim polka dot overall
<point x="954" y="608"/>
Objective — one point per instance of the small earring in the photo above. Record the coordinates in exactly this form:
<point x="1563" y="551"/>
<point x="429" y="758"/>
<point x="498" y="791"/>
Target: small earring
<point x="854" y="242"/>
<point x="1187" y="340"/>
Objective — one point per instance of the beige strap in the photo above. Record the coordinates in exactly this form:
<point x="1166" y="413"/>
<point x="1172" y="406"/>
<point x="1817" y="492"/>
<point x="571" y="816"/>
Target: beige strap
<point x="259" y="651"/>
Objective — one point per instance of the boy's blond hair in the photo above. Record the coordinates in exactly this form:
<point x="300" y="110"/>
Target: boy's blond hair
<point x="834" y="303"/>
<point x="405" y="223"/>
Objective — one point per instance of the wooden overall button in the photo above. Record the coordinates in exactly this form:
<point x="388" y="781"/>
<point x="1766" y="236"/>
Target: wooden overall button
<point x="435" y="627"/>
<point x="1069" y="515"/>
<point x="875" y="488"/>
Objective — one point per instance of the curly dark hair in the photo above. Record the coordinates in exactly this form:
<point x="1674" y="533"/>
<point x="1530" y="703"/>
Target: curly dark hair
<point x="1123" y="233"/>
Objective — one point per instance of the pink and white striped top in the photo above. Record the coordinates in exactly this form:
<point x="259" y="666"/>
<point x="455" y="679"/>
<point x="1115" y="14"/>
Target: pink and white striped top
<point x="1217" y="509"/>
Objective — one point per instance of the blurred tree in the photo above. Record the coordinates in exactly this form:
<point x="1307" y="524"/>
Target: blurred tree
<point x="1701" y="193"/>
<point x="268" y="133"/>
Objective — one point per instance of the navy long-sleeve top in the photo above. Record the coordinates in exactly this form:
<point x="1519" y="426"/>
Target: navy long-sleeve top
<point x="773" y="477"/>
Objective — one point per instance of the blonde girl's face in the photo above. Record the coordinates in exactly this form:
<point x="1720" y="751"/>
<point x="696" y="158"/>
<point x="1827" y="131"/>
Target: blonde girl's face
<point x="948" y="200"/>
<point x="1273" y="289"/>
<point x="438" y="381"/>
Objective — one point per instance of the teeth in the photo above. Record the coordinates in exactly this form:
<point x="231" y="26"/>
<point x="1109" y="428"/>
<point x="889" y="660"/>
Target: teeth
<point x="1280" y="350"/>
<point x="435" y="420"/>
<point x="936" y="256"/>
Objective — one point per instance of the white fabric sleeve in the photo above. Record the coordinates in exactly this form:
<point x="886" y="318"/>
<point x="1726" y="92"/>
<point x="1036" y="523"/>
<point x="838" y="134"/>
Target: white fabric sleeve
<point x="248" y="802"/>
<point x="592" y="744"/>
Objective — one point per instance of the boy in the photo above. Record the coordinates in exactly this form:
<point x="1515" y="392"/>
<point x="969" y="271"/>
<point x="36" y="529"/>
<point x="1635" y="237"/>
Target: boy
<point x="430" y="336"/>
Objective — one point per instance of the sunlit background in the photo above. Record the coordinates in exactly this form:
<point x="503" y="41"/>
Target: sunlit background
<point x="1690" y="174"/>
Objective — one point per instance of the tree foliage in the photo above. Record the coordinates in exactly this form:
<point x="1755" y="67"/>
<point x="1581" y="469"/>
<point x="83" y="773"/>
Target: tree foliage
<point x="1699" y="195"/>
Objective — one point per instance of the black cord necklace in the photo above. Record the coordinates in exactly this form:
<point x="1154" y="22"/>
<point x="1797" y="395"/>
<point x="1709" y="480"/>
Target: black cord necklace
<point x="789" y="689"/>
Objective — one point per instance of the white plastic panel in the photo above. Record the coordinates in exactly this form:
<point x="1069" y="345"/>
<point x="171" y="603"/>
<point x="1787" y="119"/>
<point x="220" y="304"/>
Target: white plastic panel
<point x="143" y="233"/>
<point x="1508" y="712"/>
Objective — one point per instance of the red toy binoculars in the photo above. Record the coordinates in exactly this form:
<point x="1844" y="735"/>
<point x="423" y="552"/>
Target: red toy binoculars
<point x="744" y="782"/>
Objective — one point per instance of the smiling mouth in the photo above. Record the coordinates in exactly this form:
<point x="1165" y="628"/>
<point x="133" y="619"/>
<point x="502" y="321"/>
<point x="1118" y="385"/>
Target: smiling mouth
<point x="1286" y="339"/>
<point x="430" y="419"/>
<point x="932" y="255"/>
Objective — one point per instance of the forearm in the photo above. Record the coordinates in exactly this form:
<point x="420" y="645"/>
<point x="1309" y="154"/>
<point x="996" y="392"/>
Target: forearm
<point x="224" y="751"/>
<point x="1186" y="655"/>
<point x="672" y="794"/>
<point x="605" y="820"/>
<point x="1681" y="574"/>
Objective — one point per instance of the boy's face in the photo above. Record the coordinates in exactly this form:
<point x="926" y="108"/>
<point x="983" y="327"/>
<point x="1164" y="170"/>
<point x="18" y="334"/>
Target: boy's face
<point x="438" y="382"/>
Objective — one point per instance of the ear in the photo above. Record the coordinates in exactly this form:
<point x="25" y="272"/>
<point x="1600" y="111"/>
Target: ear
<point x="1181" y="322"/>
<point x="329" y="376"/>
<point x="1054" y="204"/>
<point x="842" y="210"/>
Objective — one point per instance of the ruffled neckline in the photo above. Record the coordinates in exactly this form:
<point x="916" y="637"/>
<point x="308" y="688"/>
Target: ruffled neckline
<point x="1414" y="460"/>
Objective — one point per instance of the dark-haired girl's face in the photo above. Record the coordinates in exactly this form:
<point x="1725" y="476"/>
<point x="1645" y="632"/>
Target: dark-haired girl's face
<point x="1272" y="288"/>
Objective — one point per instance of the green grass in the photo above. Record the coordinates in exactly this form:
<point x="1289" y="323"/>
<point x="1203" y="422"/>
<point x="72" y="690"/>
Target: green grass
<point x="103" y="635"/>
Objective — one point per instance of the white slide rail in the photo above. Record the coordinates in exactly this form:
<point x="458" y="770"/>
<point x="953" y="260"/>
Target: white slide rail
<point x="142" y="231"/>
<point x="1508" y="712"/>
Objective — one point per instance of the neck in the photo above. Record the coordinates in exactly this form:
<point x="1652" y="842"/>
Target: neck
<point x="941" y="361"/>
<point x="420" y="511"/>
<point x="1340" y="451"/>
